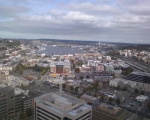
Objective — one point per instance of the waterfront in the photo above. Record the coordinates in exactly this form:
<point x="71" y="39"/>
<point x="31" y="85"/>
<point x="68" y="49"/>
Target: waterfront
<point x="50" y="50"/>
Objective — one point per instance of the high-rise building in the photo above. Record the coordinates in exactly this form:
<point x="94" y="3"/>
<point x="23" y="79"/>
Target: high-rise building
<point x="10" y="103"/>
<point x="60" y="106"/>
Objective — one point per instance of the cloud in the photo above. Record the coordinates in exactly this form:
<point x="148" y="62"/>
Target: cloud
<point x="78" y="16"/>
<point x="12" y="11"/>
<point x="92" y="8"/>
<point x="120" y="20"/>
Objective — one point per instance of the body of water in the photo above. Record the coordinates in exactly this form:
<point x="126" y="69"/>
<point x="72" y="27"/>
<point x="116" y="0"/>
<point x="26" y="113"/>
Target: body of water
<point x="50" y="50"/>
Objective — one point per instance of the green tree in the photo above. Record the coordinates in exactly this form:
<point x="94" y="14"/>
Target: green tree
<point x="64" y="85"/>
<point x="102" y="97"/>
<point x="20" y="71"/>
<point x="110" y="99"/>
<point x="148" y="106"/>
<point x="28" y="112"/>
<point x="95" y="85"/>
<point x="136" y="91"/>
<point x="76" y="89"/>
<point x="84" y="90"/>
<point x="80" y="62"/>
<point x="142" y="92"/>
<point x="127" y="71"/>
<point x="81" y="77"/>
<point x="118" y="101"/>
<point x="71" y="88"/>
<point x="22" y="116"/>
<point x="65" y="77"/>
<point x="77" y="70"/>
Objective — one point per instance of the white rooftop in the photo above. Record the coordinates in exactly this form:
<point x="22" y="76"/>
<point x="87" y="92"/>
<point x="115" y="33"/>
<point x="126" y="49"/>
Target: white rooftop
<point x="63" y="103"/>
<point x="89" y="97"/>
<point x="18" y="91"/>
<point x="2" y="85"/>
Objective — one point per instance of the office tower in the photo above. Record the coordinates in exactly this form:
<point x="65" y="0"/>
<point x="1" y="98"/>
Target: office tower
<point x="60" y="106"/>
<point x="10" y="102"/>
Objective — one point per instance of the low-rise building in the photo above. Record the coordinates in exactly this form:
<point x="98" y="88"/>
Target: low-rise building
<point x="18" y="81"/>
<point x="90" y="99"/>
<point x="102" y="75"/>
<point x="109" y="112"/>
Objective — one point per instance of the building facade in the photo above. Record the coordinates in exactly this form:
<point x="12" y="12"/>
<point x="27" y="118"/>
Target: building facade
<point x="10" y="103"/>
<point x="60" y="106"/>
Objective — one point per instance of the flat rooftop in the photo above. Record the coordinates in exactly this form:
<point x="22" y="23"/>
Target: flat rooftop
<point x="62" y="103"/>
<point x="142" y="73"/>
<point x="88" y="97"/>
<point x="3" y="85"/>
<point x="63" y="99"/>
<point x="139" y="77"/>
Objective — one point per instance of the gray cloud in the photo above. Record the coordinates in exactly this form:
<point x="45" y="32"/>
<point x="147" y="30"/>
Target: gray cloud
<point x="121" y="21"/>
<point x="11" y="11"/>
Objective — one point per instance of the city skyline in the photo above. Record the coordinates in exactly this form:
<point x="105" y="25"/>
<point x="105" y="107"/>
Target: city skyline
<point x="106" y="20"/>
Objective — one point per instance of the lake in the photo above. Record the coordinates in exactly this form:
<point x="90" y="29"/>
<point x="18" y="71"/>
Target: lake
<point x="50" y="50"/>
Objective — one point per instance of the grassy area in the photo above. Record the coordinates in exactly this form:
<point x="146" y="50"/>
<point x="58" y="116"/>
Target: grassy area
<point x="43" y="70"/>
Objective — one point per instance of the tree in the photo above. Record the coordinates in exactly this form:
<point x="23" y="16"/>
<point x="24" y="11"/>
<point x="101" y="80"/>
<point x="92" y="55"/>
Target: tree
<point x="81" y="77"/>
<point x="28" y="112"/>
<point x="64" y="86"/>
<point x="71" y="88"/>
<point x="22" y="116"/>
<point x="118" y="87"/>
<point x="84" y="90"/>
<point x="116" y="68"/>
<point x="127" y="71"/>
<point x="65" y="77"/>
<point x="76" y="89"/>
<point x="148" y="106"/>
<point x="95" y="85"/>
<point x="118" y="101"/>
<point x="80" y="62"/>
<point x="73" y="65"/>
<point x="142" y="92"/>
<point x="20" y="71"/>
<point x="124" y="88"/>
<point x="87" y="76"/>
<point x="136" y="91"/>
<point x="102" y="97"/>
<point x="77" y="70"/>
<point x="110" y="99"/>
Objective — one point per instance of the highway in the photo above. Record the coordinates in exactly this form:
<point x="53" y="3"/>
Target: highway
<point x="136" y="64"/>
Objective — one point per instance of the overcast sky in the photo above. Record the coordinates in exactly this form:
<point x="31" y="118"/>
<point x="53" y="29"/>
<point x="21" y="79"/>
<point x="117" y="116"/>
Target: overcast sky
<point x="101" y="20"/>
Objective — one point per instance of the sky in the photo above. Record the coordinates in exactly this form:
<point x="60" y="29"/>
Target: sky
<point x="99" y="20"/>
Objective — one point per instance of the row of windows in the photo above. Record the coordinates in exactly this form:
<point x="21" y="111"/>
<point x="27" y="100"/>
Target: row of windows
<point x="3" y="113"/>
<point x="38" y="115"/>
<point x="41" y="113"/>
<point x="39" y="118"/>
<point x="89" y="116"/>
<point x="45" y="115"/>
<point x="49" y="113"/>
<point x="3" y="101"/>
